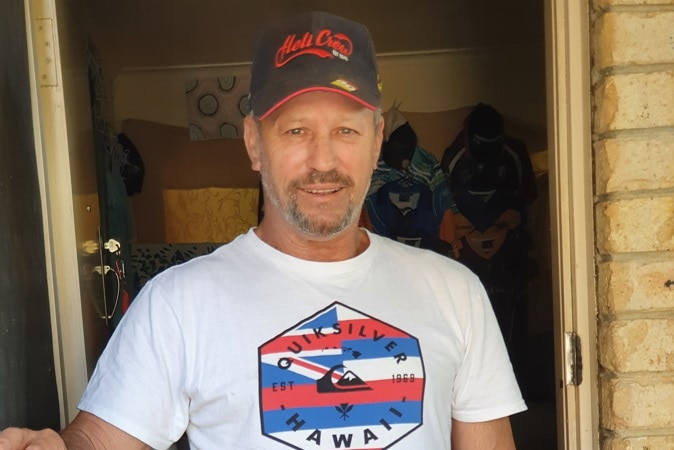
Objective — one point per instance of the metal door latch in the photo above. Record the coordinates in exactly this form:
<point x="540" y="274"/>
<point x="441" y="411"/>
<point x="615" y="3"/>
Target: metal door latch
<point x="573" y="359"/>
<point x="112" y="246"/>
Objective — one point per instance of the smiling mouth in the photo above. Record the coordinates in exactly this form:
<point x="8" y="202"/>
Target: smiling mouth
<point x="322" y="183"/>
<point x="322" y="191"/>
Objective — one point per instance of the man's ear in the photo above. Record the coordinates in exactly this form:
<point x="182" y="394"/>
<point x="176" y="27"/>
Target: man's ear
<point x="251" y="139"/>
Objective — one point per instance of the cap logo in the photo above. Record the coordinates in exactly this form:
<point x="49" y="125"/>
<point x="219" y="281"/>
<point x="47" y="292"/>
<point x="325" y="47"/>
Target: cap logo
<point x="344" y="85"/>
<point x="325" y="44"/>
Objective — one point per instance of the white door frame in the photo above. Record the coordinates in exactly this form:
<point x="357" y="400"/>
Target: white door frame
<point x="571" y="207"/>
<point x="57" y="202"/>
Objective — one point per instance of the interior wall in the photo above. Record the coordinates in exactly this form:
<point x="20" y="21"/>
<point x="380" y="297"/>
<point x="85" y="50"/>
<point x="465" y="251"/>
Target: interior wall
<point x="420" y="82"/>
<point x="173" y="161"/>
<point x="27" y="378"/>
<point x="434" y="55"/>
<point x="132" y="34"/>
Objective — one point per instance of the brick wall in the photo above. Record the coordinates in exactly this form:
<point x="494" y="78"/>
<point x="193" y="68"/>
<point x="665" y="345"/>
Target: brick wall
<point x="633" y="139"/>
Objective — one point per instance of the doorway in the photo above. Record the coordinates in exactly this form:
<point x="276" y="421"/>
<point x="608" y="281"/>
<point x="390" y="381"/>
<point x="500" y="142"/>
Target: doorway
<point x="560" y="223"/>
<point x="141" y="60"/>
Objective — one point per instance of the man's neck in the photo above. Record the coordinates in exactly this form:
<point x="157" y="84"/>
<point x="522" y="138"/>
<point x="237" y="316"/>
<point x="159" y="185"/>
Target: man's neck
<point x="347" y="244"/>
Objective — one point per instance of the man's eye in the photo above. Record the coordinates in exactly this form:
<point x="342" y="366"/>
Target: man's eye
<point x="295" y="131"/>
<point x="346" y="131"/>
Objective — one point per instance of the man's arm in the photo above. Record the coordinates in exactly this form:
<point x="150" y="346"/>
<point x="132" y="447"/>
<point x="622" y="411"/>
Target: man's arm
<point x="491" y="435"/>
<point x="86" y="432"/>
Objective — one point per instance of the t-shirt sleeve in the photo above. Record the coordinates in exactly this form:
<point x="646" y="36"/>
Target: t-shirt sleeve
<point x="138" y="382"/>
<point x="485" y="387"/>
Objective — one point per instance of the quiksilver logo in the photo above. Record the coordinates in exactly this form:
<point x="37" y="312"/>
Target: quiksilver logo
<point x="324" y="44"/>
<point x="341" y="379"/>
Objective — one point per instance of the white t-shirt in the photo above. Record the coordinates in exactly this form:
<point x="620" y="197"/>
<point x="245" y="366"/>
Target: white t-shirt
<point x="250" y="348"/>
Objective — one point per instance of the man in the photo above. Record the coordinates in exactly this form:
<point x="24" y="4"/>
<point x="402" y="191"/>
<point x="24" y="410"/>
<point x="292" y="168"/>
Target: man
<point x="306" y="332"/>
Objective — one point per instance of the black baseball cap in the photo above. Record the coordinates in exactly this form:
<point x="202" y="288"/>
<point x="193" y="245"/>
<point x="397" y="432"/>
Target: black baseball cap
<point x="314" y="51"/>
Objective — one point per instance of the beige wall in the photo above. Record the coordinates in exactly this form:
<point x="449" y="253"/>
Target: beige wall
<point x="434" y="55"/>
<point x="633" y="91"/>
<point x="133" y="34"/>
<point x="419" y="82"/>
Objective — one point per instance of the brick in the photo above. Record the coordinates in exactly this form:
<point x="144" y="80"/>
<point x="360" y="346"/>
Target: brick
<point x="641" y="345"/>
<point x="634" y="38"/>
<point x="630" y="164"/>
<point x="637" y="404"/>
<point x="635" y="100"/>
<point x="635" y="286"/>
<point x="640" y="443"/>
<point x="635" y="225"/>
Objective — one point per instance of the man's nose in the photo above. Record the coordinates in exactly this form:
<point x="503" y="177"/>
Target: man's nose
<point x="322" y="155"/>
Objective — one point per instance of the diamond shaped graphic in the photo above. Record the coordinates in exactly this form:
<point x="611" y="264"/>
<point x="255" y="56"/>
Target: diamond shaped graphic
<point x="341" y="379"/>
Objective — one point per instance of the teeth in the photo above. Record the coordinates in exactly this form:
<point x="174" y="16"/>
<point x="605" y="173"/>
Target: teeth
<point x="322" y="191"/>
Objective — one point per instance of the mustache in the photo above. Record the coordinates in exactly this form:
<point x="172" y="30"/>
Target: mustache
<point x="318" y="177"/>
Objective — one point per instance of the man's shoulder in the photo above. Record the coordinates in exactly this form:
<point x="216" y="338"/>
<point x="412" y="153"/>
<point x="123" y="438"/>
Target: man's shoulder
<point x="398" y="251"/>
<point x="220" y="257"/>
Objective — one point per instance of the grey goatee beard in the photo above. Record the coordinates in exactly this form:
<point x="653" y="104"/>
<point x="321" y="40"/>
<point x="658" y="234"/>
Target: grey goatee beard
<point x="307" y="225"/>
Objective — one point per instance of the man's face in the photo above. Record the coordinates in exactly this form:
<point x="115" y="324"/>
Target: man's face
<point x="316" y="154"/>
